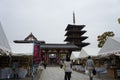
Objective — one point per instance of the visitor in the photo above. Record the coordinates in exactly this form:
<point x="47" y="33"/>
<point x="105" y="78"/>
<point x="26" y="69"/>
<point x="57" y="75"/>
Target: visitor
<point x="89" y="67"/>
<point x="67" y="68"/>
<point x="61" y="64"/>
<point x="15" y="66"/>
<point x="45" y="64"/>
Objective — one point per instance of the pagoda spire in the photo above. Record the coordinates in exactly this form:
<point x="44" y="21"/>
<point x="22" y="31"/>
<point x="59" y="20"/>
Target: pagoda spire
<point x="73" y="17"/>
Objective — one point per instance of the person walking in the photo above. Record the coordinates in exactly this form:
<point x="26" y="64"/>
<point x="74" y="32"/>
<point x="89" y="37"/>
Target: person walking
<point x="68" y="68"/>
<point x="61" y="64"/>
<point x="90" y="66"/>
<point x="45" y="64"/>
<point x="15" y="66"/>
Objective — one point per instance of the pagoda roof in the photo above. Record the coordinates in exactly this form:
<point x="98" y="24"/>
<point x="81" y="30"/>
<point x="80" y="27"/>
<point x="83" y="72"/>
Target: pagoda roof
<point x="52" y="45"/>
<point x="23" y="41"/>
<point x="71" y="38"/>
<point x="83" y="44"/>
<point x="79" y="32"/>
<point x="71" y="26"/>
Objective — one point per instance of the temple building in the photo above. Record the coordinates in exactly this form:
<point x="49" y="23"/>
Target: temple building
<point x="53" y="53"/>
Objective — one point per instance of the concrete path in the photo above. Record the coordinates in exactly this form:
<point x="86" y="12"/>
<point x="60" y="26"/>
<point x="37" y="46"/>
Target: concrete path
<point x="55" y="73"/>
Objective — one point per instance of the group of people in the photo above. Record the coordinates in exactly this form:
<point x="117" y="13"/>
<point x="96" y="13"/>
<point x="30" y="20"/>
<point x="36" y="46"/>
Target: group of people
<point x="67" y="66"/>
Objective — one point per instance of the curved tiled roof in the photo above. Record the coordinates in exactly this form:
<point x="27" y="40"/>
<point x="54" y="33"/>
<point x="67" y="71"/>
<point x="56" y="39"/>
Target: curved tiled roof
<point x="60" y="46"/>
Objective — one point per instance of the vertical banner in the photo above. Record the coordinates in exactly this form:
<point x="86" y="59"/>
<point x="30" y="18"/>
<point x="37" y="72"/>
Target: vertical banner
<point x="37" y="54"/>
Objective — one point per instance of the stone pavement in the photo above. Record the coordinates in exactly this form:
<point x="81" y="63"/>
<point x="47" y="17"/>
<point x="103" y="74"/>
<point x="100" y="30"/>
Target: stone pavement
<point x="56" y="73"/>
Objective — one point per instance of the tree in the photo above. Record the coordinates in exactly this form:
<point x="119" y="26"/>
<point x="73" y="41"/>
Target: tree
<point x="119" y="20"/>
<point x="102" y="38"/>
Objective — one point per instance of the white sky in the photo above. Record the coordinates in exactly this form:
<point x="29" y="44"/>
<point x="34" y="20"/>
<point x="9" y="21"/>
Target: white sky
<point x="47" y="19"/>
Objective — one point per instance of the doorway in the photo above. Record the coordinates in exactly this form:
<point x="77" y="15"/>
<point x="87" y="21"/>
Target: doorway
<point x="52" y="59"/>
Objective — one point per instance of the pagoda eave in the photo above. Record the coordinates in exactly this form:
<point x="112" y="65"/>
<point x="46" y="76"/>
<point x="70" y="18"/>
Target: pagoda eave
<point x="76" y="32"/>
<point x="72" y="38"/>
<point x="23" y="41"/>
<point x="70" y="26"/>
<point x="82" y="44"/>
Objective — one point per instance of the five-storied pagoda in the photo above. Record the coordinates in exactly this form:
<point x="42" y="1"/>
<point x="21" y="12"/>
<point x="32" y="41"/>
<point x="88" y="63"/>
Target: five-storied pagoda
<point x="74" y="34"/>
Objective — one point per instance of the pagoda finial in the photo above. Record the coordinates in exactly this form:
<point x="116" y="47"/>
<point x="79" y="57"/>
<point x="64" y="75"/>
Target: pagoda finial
<point x="73" y="17"/>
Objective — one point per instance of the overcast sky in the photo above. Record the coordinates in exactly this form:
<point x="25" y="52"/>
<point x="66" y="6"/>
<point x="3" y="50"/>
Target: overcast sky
<point x="47" y="19"/>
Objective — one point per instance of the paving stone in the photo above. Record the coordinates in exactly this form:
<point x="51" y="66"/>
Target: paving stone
<point x="56" y="73"/>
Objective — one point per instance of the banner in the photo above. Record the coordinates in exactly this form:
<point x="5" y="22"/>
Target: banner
<point x="37" y="54"/>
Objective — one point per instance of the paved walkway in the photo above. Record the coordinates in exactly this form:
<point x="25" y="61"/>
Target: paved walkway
<point x="55" y="73"/>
